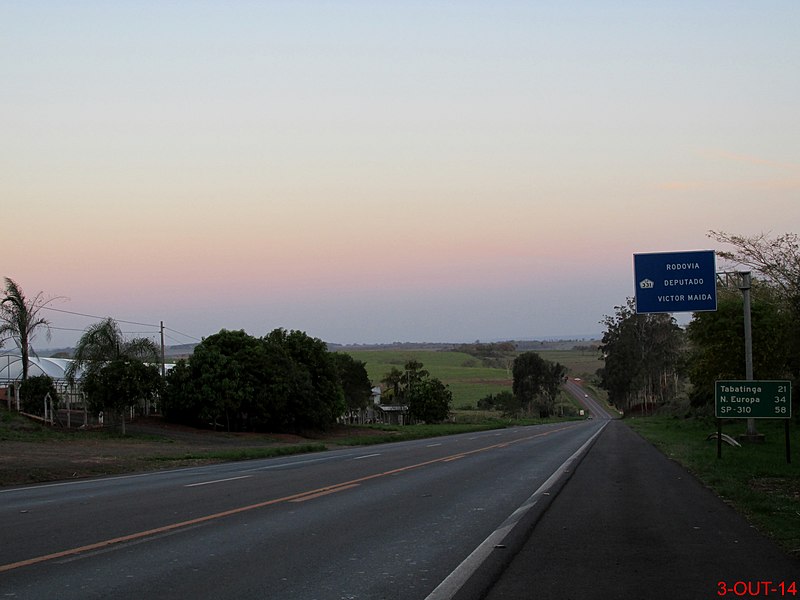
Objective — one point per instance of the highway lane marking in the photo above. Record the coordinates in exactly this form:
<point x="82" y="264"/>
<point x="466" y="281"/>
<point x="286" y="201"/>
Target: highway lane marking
<point x="91" y="481"/>
<point x="452" y="458"/>
<point x="367" y="456"/>
<point x="217" y="481"/>
<point x="325" y="493"/>
<point x="451" y="585"/>
<point x="234" y="511"/>
<point x="288" y="465"/>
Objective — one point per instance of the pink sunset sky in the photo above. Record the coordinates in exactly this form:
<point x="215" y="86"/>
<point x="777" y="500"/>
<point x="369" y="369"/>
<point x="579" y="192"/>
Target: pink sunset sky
<point x="378" y="172"/>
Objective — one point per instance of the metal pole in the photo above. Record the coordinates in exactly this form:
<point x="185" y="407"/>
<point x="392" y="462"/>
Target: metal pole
<point x="744" y="285"/>
<point x="163" y="356"/>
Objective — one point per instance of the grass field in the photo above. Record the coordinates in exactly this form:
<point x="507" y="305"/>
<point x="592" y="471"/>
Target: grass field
<point x="579" y="363"/>
<point x="467" y="378"/>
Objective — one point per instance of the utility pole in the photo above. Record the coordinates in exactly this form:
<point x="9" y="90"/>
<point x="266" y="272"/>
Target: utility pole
<point x="163" y="355"/>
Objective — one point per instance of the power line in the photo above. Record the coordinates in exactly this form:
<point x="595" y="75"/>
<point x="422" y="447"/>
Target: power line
<point x="191" y="337"/>
<point x="80" y="314"/>
<point x="70" y="312"/>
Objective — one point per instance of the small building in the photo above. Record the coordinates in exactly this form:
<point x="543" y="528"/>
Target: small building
<point x="393" y="414"/>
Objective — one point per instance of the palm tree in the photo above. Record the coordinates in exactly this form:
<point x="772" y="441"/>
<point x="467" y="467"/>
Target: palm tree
<point x="104" y="342"/>
<point x="113" y="365"/>
<point x="392" y="380"/>
<point x="19" y="319"/>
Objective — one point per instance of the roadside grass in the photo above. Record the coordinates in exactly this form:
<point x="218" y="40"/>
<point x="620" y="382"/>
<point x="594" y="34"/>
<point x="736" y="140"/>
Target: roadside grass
<point x="61" y="454"/>
<point x="463" y="422"/>
<point x="239" y="454"/>
<point x="754" y="479"/>
<point x="381" y="434"/>
<point x="18" y="428"/>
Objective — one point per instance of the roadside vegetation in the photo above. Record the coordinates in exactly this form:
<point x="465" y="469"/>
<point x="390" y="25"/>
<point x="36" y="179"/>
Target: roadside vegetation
<point x="754" y="479"/>
<point x="32" y="452"/>
<point x="651" y="365"/>
<point x="661" y="377"/>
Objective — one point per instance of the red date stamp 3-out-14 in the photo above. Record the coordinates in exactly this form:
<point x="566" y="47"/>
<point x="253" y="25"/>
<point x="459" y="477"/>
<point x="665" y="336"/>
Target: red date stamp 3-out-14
<point x="756" y="589"/>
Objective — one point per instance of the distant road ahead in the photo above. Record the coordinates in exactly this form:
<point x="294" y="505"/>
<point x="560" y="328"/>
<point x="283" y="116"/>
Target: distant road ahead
<point x="390" y="521"/>
<point x="593" y="406"/>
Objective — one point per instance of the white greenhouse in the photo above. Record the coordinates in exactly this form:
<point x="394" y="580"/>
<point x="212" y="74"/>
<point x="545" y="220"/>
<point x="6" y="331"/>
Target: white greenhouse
<point x="56" y="369"/>
<point x="11" y="368"/>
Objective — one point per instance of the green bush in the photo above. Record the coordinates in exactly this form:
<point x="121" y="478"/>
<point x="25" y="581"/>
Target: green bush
<point x="33" y="391"/>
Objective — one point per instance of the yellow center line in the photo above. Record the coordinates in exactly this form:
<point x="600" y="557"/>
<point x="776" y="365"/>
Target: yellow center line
<point x="454" y="457"/>
<point x="299" y="497"/>
<point x="325" y="493"/>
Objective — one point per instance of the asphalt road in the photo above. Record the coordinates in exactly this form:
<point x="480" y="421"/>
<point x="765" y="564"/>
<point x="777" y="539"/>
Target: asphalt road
<point x="397" y="521"/>
<point x="630" y="524"/>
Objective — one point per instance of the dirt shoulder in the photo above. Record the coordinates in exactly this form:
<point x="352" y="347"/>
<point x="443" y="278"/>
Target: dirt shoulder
<point x="151" y="444"/>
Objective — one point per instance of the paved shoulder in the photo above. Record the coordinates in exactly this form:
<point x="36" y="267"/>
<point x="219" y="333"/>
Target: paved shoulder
<point x="632" y="524"/>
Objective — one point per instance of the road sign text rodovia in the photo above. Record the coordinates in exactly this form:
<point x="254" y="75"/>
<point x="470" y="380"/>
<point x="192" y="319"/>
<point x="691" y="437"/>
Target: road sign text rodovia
<point x="753" y="399"/>
<point x="669" y="282"/>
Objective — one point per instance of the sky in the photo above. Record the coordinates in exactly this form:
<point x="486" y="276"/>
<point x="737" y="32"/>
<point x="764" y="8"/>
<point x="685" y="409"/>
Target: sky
<point x="372" y="172"/>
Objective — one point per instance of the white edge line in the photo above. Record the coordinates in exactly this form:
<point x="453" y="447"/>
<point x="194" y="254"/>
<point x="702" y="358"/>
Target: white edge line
<point x="216" y="481"/>
<point x="95" y="479"/>
<point x="456" y="580"/>
<point x="294" y="463"/>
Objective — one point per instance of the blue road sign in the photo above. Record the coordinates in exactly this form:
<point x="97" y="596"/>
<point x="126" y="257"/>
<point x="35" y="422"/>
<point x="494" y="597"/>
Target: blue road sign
<point x="670" y="282"/>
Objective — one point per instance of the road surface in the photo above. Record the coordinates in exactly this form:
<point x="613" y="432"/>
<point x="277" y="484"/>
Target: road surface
<point x="392" y="521"/>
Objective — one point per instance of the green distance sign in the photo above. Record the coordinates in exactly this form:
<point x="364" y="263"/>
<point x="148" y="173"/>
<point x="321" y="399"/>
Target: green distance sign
<point x="753" y="399"/>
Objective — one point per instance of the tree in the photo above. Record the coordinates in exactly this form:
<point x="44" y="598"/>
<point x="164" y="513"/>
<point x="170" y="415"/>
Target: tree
<point x="504" y="401"/>
<point x="34" y="390"/>
<point x="536" y="382"/>
<point x="776" y="263"/>
<point x="392" y="380"/>
<point x="498" y="354"/>
<point x="528" y="372"/>
<point x="104" y="341"/>
<point x="414" y="373"/>
<point x="316" y="375"/>
<point x="120" y="384"/>
<point x="20" y="318"/>
<point x="354" y="380"/>
<point x="777" y="260"/>
<point x="114" y="374"/>
<point x="642" y="353"/>
<point x="429" y="401"/>
<point x="717" y="342"/>
<point x="232" y="379"/>
<point x="286" y="380"/>
<point x="555" y="375"/>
